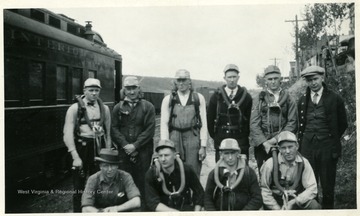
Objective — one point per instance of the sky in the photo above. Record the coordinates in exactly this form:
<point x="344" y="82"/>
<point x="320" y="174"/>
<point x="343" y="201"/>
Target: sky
<point x="158" y="39"/>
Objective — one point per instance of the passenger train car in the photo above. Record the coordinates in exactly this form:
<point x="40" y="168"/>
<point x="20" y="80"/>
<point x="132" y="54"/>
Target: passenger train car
<point x="47" y="57"/>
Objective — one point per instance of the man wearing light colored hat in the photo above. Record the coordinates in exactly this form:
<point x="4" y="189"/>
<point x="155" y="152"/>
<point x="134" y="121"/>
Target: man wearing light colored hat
<point x="170" y="184"/>
<point x="86" y="131"/>
<point x="287" y="179"/>
<point x="110" y="189"/>
<point x="132" y="130"/>
<point x="322" y="118"/>
<point x="183" y="120"/>
<point x="229" y="110"/>
<point x="273" y="111"/>
<point x="235" y="187"/>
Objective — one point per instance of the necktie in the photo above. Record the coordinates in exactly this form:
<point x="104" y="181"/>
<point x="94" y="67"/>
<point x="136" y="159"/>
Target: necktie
<point x="91" y="103"/>
<point x="315" y="98"/>
<point x="231" y="96"/>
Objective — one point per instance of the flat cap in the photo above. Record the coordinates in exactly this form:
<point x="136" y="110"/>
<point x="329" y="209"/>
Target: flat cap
<point x="165" y="144"/>
<point x="131" y="81"/>
<point x="182" y="74"/>
<point x="92" y="82"/>
<point x="286" y="136"/>
<point x="229" y="144"/>
<point x="231" y="67"/>
<point x="312" y="70"/>
<point x="271" y="69"/>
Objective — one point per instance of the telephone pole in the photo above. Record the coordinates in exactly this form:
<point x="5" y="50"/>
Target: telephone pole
<point x="275" y="60"/>
<point x="296" y="44"/>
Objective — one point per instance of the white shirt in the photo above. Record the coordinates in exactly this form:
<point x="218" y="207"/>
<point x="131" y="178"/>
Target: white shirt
<point x="165" y="114"/>
<point x="228" y="91"/>
<point x="276" y="94"/>
<point x="312" y="94"/>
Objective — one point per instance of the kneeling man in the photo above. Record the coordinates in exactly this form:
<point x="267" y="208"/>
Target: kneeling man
<point x="171" y="185"/>
<point x="110" y="189"/>
<point x="232" y="185"/>
<point x="287" y="179"/>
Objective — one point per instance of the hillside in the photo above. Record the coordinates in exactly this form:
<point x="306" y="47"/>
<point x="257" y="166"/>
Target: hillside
<point x="164" y="84"/>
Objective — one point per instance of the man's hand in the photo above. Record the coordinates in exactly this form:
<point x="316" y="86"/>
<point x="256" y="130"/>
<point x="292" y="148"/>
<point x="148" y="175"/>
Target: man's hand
<point x="267" y="145"/>
<point x="202" y="153"/>
<point x="129" y="148"/>
<point x="77" y="162"/>
<point x="290" y="205"/>
<point x="110" y="209"/>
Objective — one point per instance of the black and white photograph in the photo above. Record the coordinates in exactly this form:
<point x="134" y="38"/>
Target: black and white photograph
<point x="179" y="106"/>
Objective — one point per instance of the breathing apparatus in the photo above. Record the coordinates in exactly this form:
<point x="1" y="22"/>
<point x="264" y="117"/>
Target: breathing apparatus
<point x="160" y="176"/>
<point x="289" y="190"/>
<point x="241" y="158"/>
<point x="232" y="109"/>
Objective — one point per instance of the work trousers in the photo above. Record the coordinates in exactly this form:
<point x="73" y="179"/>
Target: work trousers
<point x="317" y="149"/>
<point x="261" y="156"/>
<point x="85" y="148"/>
<point x="137" y="167"/>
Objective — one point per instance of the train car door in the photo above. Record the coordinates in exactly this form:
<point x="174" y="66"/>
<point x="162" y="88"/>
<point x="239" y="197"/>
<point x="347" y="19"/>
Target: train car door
<point x="118" y="78"/>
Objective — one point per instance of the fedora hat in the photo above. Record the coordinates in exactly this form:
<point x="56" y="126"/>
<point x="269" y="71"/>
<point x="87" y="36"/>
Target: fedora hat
<point x="108" y="156"/>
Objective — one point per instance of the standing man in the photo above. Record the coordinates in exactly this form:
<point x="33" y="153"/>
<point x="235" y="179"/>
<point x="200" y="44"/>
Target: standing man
<point x="86" y="131"/>
<point x="232" y="185"/>
<point x="323" y="121"/>
<point x="287" y="179"/>
<point x="183" y="121"/>
<point x="273" y="111"/>
<point x="229" y="112"/>
<point x="110" y="189"/>
<point x="132" y="130"/>
<point x="170" y="184"/>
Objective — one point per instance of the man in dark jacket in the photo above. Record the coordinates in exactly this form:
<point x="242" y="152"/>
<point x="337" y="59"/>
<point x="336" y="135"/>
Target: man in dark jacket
<point x="235" y="187"/>
<point x="171" y="185"/>
<point x="132" y="130"/>
<point x="273" y="111"/>
<point x="323" y="121"/>
<point x="228" y="113"/>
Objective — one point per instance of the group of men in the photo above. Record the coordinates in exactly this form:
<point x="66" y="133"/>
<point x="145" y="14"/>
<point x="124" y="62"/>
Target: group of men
<point x="113" y="152"/>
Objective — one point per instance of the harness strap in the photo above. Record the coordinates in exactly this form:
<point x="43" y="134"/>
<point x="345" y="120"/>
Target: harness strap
<point x="161" y="178"/>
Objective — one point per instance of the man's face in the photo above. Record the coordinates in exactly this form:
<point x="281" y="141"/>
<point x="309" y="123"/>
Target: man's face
<point x="91" y="93"/>
<point x="273" y="81"/>
<point x="315" y="82"/>
<point x="230" y="157"/>
<point x="289" y="150"/>
<point x="231" y="78"/>
<point x="166" y="157"/>
<point x="108" y="170"/>
<point x="183" y="84"/>
<point x="132" y="92"/>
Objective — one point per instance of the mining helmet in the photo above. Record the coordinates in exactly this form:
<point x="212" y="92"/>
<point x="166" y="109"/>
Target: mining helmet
<point x="271" y="69"/>
<point x="92" y="82"/>
<point x="131" y="81"/>
<point x="229" y="144"/>
<point x="166" y="143"/>
<point x="231" y="67"/>
<point x="286" y="136"/>
<point x="182" y="74"/>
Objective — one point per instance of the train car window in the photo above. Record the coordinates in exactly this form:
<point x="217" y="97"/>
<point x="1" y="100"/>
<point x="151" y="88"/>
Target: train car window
<point x="71" y="29"/>
<point x="92" y="74"/>
<point x="54" y="22"/>
<point x="36" y="79"/>
<point x="61" y="88"/>
<point x="37" y="15"/>
<point x="12" y="80"/>
<point x="76" y="81"/>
